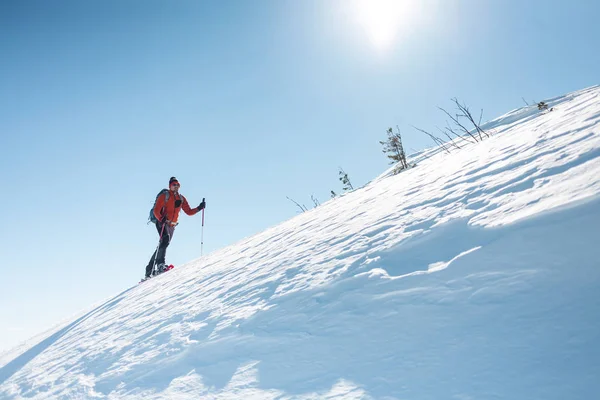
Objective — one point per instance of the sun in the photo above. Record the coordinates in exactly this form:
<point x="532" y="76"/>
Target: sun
<point x="382" y="20"/>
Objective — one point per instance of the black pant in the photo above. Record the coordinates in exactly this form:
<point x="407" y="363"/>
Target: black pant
<point x="166" y="233"/>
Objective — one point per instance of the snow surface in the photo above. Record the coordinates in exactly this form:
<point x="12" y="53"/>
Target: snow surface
<point x="474" y="275"/>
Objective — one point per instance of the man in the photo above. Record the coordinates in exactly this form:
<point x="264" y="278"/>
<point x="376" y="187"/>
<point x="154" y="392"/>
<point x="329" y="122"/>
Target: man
<point x="166" y="212"/>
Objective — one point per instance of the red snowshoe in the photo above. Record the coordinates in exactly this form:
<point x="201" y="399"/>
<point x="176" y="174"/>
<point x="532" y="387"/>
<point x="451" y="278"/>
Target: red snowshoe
<point x="160" y="269"/>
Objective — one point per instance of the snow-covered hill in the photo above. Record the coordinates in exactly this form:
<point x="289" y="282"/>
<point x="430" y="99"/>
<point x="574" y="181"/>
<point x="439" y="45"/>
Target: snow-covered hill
<point x="474" y="275"/>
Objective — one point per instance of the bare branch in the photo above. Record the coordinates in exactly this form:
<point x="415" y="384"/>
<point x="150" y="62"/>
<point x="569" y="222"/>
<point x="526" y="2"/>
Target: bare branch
<point x="450" y="138"/>
<point x="457" y="122"/>
<point x="302" y="208"/>
<point x="315" y="200"/>
<point x="461" y="137"/>
<point x="467" y="114"/>
<point x="436" y="139"/>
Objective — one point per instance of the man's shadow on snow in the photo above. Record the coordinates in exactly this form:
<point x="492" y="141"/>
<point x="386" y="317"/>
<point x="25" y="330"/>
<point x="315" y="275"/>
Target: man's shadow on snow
<point x="15" y="365"/>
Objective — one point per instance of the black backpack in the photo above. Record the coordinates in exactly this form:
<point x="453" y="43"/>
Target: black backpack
<point x="152" y="218"/>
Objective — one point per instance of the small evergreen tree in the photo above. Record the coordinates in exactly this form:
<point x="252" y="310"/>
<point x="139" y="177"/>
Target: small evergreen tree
<point x="345" y="180"/>
<point x="542" y="106"/>
<point x="333" y="194"/>
<point x="394" y="149"/>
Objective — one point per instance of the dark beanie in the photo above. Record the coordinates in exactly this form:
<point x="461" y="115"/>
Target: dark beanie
<point x="173" y="179"/>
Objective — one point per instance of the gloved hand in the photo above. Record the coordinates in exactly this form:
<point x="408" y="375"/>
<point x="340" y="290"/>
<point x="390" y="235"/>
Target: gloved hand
<point x="202" y="205"/>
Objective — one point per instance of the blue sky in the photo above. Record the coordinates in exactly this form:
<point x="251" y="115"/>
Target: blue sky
<point x="245" y="102"/>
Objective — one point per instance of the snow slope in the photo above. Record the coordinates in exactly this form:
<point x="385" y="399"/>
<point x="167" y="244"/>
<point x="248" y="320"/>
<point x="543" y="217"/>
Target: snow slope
<point x="474" y="275"/>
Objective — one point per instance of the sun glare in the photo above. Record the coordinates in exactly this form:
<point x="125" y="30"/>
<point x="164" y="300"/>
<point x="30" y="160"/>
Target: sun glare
<point x="382" y="20"/>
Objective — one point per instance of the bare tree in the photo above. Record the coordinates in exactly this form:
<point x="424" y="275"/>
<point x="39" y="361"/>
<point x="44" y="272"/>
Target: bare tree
<point x="458" y="123"/>
<point x="465" y="113"/>
<point x="302" y="207"/>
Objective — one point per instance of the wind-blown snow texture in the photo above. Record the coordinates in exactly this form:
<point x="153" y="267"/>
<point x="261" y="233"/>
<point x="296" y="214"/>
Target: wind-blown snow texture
<point x="472" y="276"/>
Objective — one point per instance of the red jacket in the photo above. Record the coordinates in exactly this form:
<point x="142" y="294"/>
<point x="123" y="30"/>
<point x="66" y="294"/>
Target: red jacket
<point x="168" y="208"/>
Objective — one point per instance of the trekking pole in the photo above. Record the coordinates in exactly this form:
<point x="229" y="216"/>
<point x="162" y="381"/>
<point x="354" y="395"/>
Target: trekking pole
<point x="202" y="237"/>
<point x="157" y="247"/>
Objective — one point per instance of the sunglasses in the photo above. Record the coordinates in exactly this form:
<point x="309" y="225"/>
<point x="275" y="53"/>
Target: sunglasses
<point x="175" y="184"/>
